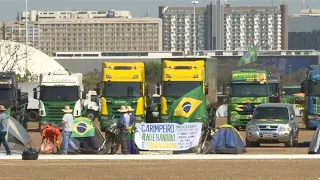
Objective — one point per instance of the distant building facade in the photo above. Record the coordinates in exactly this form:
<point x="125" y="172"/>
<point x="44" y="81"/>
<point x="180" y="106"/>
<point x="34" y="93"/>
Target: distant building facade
<point x="178" y="28"/>
<point x="58" y="34"/>
<point x="263" y="26"/>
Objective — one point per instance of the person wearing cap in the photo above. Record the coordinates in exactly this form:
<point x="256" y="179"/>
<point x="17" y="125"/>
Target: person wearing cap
<point x="67" y="129"/>
<point x="132" y="148"/>
<point x="123" y="125"/>
<point x="3" y="129"/>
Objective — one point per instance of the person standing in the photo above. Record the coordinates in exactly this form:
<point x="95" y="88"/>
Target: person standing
<point x="132" y="148"/>
<point x="67" y="129"/>
<point x="123" y="125"/>
<point x="3" y="129"/>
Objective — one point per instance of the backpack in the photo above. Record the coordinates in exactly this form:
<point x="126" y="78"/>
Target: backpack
<point x="30" y="154"/>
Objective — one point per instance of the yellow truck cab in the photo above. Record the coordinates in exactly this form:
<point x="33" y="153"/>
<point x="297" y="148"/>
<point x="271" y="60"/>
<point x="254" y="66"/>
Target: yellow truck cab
<point x="123" y="84"/>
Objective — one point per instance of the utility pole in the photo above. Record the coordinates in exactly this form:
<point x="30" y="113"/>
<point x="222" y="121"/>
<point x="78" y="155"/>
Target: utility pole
<point x="26" y="18"/>
<point x="194" y="27"/>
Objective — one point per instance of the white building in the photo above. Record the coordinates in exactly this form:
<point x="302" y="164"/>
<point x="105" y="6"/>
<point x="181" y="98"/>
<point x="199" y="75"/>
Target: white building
<point x="58" y="15"/>
<point x="262" y="26"/>
<point x="178" y="28"/>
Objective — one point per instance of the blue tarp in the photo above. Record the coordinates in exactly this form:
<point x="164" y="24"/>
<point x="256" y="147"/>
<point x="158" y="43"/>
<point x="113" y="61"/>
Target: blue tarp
<point x="227" y="140"/>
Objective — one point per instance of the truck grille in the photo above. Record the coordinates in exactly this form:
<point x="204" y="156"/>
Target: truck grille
<point x="54" y="112"/>
<point x="268" y="128"/>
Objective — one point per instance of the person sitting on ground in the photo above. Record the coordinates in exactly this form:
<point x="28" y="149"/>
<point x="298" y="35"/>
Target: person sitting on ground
<point x="50" y="137"/>
<point x="3" y="129"/>
<point x="67" y="129"/>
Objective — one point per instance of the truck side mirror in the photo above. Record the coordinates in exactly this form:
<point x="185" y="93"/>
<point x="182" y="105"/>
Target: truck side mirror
<point x="158" y="90"/>
<point x="206" y="89"/>
<point x="97" y="89"/>
<point x="19" y="92"/>
<point x="303" y="86"/>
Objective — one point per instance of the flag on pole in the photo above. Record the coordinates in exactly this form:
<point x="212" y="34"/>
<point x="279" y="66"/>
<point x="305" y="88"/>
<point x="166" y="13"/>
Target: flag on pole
<point x="248" y="57"/>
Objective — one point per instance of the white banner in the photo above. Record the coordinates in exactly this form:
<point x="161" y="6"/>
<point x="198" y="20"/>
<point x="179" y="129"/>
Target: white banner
<point x="167" y="136"/>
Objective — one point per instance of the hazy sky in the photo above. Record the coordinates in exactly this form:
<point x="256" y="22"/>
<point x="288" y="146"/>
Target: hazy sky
<point x="9" y="8"/>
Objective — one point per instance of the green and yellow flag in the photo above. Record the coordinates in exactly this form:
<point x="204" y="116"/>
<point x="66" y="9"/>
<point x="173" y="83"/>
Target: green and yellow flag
<point x="248" y="57"/>
<point x="189" y="108"/>
<point x="83" y="127"/>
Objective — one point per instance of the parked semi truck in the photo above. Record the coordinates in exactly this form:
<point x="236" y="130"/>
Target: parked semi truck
<point x="311" y="88"/>
<point x="288" y="93"/>
<point x="91" y="105"/>
<point x="123" y="84"/>
<point x="181" y="75"/>
<point x="33" y="104"/>
<point x="56" y="90"/>
<point x="274" y="84"/>
<point x="248" y="88"/>
<point x="12" y="98"/>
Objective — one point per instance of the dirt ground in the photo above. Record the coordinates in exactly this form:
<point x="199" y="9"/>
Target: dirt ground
<point x="305" y="137"/>
<point x="160" y="169"/>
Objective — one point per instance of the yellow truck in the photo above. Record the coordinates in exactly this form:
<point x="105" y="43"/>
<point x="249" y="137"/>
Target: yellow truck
<point x="123" y="84"/>
<point x="181" y="75"/>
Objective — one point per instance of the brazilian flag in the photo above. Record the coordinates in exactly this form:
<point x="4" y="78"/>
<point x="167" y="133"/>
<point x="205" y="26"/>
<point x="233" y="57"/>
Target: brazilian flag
<point x="248" y="57"/>
<point x="189" y="108"/>
<point x="83" y="127"/>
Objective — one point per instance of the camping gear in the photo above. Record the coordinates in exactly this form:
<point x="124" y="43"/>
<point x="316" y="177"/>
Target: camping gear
<point x="87" y="137"/>
<point x="314" y="147"/>
<point x="17" y="137"/>
<point x="227" y="140"/>
<point x="30" y="154"/>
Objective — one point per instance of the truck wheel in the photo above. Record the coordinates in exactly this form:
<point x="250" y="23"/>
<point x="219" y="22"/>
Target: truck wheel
<point x="290" y="142"/>
<point x="33" y="116"/>
<point x="91" y="115"/>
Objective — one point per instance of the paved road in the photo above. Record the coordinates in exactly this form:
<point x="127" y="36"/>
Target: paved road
<point x="160" y="169"/>
<point x="305" y="137"/>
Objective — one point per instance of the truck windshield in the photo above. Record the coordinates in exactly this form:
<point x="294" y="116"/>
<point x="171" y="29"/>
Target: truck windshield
<point x="249" y="90"/>
<point x="178" y="89"/>
<point x="271" y="113"/>
<point x="59" y="93"/>
<point x="273" y="89"/>
<point x="291" y="91"/>
<point x="314" y="88"/>
<point x="6" y="94"/>
<point x="122" y="89"/>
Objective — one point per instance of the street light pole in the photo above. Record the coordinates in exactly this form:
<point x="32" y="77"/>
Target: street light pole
<point x="194" y="26"/>
<point x="26" y="18"/>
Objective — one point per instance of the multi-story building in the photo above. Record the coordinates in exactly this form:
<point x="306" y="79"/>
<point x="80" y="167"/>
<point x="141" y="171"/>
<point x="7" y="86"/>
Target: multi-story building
<point x="88" y="34"/>
<point x="178" y="28"/>
<point x="304" y="29"/>
<point x="262" y="26"/>
<point x="44" y="15"/>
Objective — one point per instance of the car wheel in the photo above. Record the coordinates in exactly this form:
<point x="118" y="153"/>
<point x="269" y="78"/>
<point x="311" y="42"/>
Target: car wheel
<point x="290" y="142"/>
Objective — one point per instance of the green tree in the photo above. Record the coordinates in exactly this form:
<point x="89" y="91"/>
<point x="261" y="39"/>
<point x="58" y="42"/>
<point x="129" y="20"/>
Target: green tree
<point x="91" y="79"/>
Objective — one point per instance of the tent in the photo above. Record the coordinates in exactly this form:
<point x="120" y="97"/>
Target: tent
<point x="222" y="111"/>
<point x="87" y="137"/>
<point x="227" y="140"/>
<point x="17" y="137"/>
<point x="314" y="147"/>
